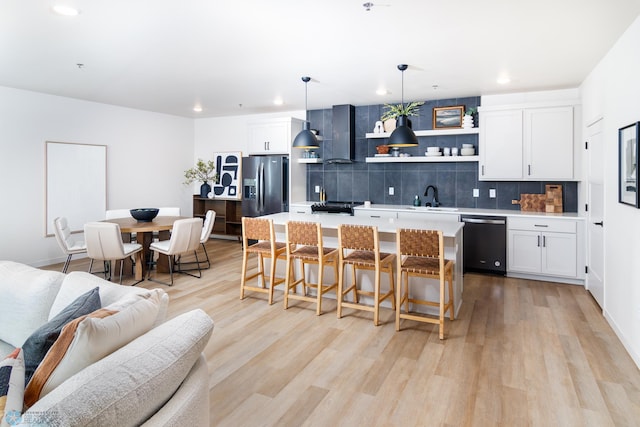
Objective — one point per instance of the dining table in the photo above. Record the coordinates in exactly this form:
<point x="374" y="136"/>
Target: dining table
<point x="144" y="231"/>
<point x="387" y="229"/>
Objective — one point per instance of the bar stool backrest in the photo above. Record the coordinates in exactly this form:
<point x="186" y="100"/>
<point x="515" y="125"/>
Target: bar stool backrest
<point x="358" y="237"/>
<point x="422" y="243"/>
<point x="304" y="233"/>
<point x="257" y="229"/>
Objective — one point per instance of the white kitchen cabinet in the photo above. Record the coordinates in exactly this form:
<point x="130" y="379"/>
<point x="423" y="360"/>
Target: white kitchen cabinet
<point x="534" y="143"/>
<point x="375" y="213"/>
<point x="542" y="247"/>
<point x="303" y="208"/>
<point x="273" y="136"/>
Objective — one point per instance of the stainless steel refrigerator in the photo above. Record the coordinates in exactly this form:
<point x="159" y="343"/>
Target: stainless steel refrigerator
<point x="265" y="185"/>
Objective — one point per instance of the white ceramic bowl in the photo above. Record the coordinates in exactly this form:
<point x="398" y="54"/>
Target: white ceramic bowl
<point x="433" y="149"/>
<point x="467" y="152"/>
<point x="467" y="145"/>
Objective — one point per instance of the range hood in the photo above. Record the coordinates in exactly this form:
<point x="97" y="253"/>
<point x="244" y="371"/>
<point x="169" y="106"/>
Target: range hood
<point x="343" y="144"/>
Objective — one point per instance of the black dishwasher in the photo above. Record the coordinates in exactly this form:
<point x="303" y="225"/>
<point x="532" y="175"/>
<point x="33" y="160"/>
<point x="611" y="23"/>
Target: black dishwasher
<point x="485" y="244"/>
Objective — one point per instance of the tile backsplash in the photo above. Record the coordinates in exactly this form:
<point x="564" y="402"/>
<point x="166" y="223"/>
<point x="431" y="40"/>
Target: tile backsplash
<point x="455" y="181"/>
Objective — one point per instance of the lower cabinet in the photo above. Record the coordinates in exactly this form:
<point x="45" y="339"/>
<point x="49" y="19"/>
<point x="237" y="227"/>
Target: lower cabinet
<point x="228" y="215"/>
<point x="542" y="246"/>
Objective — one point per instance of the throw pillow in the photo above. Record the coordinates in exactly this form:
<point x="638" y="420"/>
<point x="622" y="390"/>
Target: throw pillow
<point x="11" y="388"/>
<point x="87" y="339"/>
<point x="27" y="296"/>
<point x="37" y="345"/>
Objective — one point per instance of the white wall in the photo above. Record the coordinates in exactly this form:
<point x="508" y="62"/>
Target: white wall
<point x="147" y="154"/>
<point x="611" y="92"/>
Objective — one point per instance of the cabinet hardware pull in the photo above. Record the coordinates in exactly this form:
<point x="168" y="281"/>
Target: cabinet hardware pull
<point x="482" y="170"/>
<point x="538" y="241"/>
<point x="540" y="225"/>
<point x="375" y="216"/>
<point x="529" y="169"/>
<point x="600" y="223"/>
<point x="544" y="241"/>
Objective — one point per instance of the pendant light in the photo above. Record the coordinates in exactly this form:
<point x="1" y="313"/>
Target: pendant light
<point x="306" y="139"/>
<point x="403" y="136"/>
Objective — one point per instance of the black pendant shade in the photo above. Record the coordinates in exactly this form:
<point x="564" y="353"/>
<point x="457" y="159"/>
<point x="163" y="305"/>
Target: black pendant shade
<point x="305" y="139"/>
<point x="402" y="136"/>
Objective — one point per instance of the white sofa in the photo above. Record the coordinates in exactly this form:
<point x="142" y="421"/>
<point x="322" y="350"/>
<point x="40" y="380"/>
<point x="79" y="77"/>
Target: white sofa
<point x="158" y="379"/>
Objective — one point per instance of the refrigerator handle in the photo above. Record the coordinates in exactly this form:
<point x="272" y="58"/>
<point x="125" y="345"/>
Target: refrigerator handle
<point x="257" y="175"/>
<point x="261" y="187"/>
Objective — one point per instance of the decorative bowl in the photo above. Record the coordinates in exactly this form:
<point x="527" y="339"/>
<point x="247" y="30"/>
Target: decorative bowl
<point x="468" y="151"/>
<point x="433" y="149"/>
<point x="382" y="149"/>
<point x="144" y="214"/>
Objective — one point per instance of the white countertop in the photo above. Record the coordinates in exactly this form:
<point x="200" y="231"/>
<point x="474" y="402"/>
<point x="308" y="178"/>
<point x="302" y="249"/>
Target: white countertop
<point x="459" y="211"/>
<point x="385" y="225"/>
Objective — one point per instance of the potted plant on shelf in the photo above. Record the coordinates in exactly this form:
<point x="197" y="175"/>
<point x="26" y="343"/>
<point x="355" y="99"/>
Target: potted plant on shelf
<point x="202" y="172"/>
<point x="396" y="110"/>
<point x="467" y="120"/>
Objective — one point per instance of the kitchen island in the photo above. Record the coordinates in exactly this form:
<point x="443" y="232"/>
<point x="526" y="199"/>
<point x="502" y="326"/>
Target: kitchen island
<point x="387" y="227"/>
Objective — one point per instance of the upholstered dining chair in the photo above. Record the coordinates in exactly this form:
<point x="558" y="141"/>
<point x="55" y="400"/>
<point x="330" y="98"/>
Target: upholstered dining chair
<point x="185" y="238"/>
<point x="69" y="245"/>
<point x="420" y="253"/>
<point x="169" y="211"/>
<point x="207" y="228"/>
<point x="117" y="213"/>
<point x="104" y="243"/>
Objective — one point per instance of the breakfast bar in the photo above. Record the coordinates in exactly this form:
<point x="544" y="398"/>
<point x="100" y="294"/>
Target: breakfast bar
<point x="387" y="227"/>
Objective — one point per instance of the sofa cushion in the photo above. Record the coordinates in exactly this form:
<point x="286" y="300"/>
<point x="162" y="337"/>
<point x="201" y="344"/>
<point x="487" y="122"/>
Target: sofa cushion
<point x="87" y="339"/>
<point x="78" y="282"/>
<point x="37" y="345"/>
<point x="131" y="384"/>
<point x="27" y="296"/>
<point x="11" y="388"/>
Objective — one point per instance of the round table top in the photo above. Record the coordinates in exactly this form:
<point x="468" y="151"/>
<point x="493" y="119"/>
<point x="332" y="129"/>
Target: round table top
<point x="159" y="223"/>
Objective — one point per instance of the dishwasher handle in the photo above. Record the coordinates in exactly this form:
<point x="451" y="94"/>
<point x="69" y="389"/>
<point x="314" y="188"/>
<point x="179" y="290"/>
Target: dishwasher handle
<point x="484" y="221"/>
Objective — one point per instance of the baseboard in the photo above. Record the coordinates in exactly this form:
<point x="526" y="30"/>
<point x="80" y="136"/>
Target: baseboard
<point x="622" y="338"/>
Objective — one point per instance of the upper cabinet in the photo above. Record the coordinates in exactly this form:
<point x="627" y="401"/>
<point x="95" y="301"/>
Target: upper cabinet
<point x="273" y="136"/>
<point x="527" y="143"/>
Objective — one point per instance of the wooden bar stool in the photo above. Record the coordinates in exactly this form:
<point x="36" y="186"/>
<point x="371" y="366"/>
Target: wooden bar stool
<point x="420" y="253"/>
<point x="304" y="242"/>
<point x="359" y="246"/>
<point x="266" y="247"/>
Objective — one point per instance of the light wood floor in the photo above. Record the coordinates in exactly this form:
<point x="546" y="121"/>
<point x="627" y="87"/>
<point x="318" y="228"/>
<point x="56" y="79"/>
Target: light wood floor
<point x="521" y="353"/>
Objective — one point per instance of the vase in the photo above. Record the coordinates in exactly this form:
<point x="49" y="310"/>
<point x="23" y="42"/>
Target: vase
<point x="205" y="189"/>
<point x="467" y="121"/>
<point x="389" y="125"/>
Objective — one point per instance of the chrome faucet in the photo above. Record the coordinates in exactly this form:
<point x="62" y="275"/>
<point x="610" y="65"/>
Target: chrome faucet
<point x="434" y="202"/>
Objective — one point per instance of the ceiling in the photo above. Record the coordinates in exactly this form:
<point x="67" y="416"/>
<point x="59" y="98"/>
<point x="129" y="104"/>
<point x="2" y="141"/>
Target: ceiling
<point x="236" y="57"/>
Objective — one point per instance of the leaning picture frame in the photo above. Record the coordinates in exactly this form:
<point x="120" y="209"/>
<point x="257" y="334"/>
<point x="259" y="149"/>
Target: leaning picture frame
<point x="628" y="154"/>
<point x="448" y="117"/>
<point x="229" y="170"/>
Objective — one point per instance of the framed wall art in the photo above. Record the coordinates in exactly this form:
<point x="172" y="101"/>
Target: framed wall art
<point x="229" y="170"/>
<point x="628" y="154"/>
<point x="448" y="117"/>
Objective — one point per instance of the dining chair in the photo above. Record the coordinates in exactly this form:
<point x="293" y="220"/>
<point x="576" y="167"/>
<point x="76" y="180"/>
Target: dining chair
<point x="69" y="245"/>
<point x="420" y="253"/>
<point x="169" y="211"/>
<point x="117" y="213"/>
<point x="304" y="243"/>
<point x="259" y="237"/>
<point x="207" y="227"/>
<point x="185" y="238"/>
<point x="359" y="247"/>
<point x="104" y="243"/>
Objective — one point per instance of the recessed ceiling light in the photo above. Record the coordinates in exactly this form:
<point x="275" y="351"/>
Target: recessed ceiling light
<point x="197" y="109"/>
<point x="278" y="101"/>
<point x="65" y="10"/>
<point x="503" y="80"/>
<point x="382" y="92"/>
